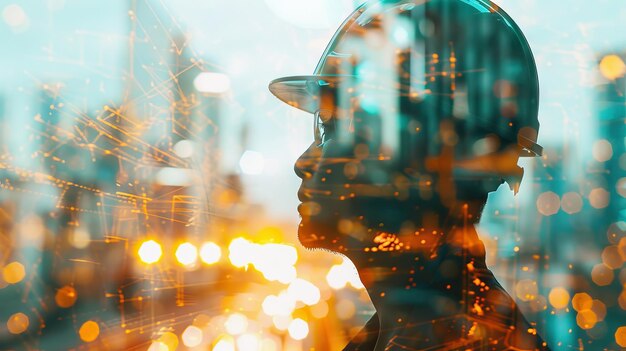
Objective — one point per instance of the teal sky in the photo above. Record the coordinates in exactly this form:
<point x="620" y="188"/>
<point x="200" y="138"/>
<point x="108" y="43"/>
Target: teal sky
<point x="85" y="45"/>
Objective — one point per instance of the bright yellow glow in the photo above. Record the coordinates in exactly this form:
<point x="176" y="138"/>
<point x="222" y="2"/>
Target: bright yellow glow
<point x="305" y="291"/>
<point x="287" y="303"/>
<point x="192" y="336"/>
<point x="320" y="310"/>
<point x="201" y="320"/>
<point x="335" y="278"/>
<point x="170" y="340"/>
<point x="248" y="342"/>
<point x="559" y="298"/>
<point x="282" y="305"/>
<point x="236" y="324"/>
<point x="298" y="329"/>
<point x="241" y="251"/>
<point x="275" y="261"/>
<point x="343" y="274"/>
<point x="18" y="323"/>
<point x="66" y="297"/>
<point x="612" y="67"/>
<point x="210" y="253"/>
<point x="225" y="344"/>
<point x="150" y="252"/>
<point x="187" y="254"/>
<point x="89" y="331"/>
<point x="283" y="274"/>
<point x="271" y="234"/>
<point x="270" y="305"/>
<point x="286" y="255"/>
<point x="281" y="322"/>
<point x="13" y="273"/>
<point x="158" y="346"/>
<point x="269" y="345"/>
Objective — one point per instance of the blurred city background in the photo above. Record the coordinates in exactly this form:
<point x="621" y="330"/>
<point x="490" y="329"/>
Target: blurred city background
<point x="147" y="193"/>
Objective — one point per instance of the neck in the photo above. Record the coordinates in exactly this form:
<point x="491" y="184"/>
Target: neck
<point x="424" y="281"/>
<point x="431" y="289"/>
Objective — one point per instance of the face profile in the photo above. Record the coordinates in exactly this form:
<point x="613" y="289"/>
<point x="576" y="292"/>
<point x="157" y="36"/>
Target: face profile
<point x="420" y="110"/>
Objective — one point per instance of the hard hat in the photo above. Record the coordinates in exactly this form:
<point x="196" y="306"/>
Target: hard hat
<point x="423" y="62"/>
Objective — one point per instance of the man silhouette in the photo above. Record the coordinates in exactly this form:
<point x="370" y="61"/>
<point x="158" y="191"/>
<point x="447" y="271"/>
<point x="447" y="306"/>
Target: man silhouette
<point x="421" y="109"/>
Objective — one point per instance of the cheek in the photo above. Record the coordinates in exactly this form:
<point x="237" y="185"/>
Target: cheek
<point x="346" y="171"/>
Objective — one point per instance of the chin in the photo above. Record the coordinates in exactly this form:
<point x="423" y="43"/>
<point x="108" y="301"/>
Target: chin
<point x="312" y="236"/>
<point x="315" y="235"/>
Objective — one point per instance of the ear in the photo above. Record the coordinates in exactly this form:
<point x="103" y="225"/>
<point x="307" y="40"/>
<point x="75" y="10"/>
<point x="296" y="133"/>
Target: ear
<point x="497" y="167"/>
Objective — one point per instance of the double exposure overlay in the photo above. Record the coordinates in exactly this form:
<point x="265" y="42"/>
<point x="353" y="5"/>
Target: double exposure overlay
<point x="312" y="175"/>
<point x="421" y="110"/>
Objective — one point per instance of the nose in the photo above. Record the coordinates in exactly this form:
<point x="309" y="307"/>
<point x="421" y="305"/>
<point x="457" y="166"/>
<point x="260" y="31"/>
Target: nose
<point x="306" y="164"/>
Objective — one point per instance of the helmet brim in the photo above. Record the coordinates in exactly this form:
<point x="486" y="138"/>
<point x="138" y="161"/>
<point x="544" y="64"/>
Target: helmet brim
<point x="303" y="92"/>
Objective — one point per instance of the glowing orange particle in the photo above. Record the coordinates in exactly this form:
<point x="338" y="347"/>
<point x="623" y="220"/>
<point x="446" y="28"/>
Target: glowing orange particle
<point x="18" y="323"/>
<point x="89" y="331"/>
<point x="620" y="336"/>
<point x="582" y="301"/>
<point x="611" y="257"/>
<point x="599" y="308"/>
<point x="602" y="275"/>
<point x="612" y="67"/>
<point x="150" y="252"/>
<point x="66" y="297"/>
<point x="622" y="300"/>
<point x="586" y="319"/>
<point x="13" y="273"/>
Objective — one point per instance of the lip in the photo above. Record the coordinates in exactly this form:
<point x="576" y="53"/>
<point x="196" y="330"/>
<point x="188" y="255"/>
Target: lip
<point x="309" y="208"/>
<point x="303" y="196"/>
<point x="300" y="208"/>
<point x="308" y="204"/>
